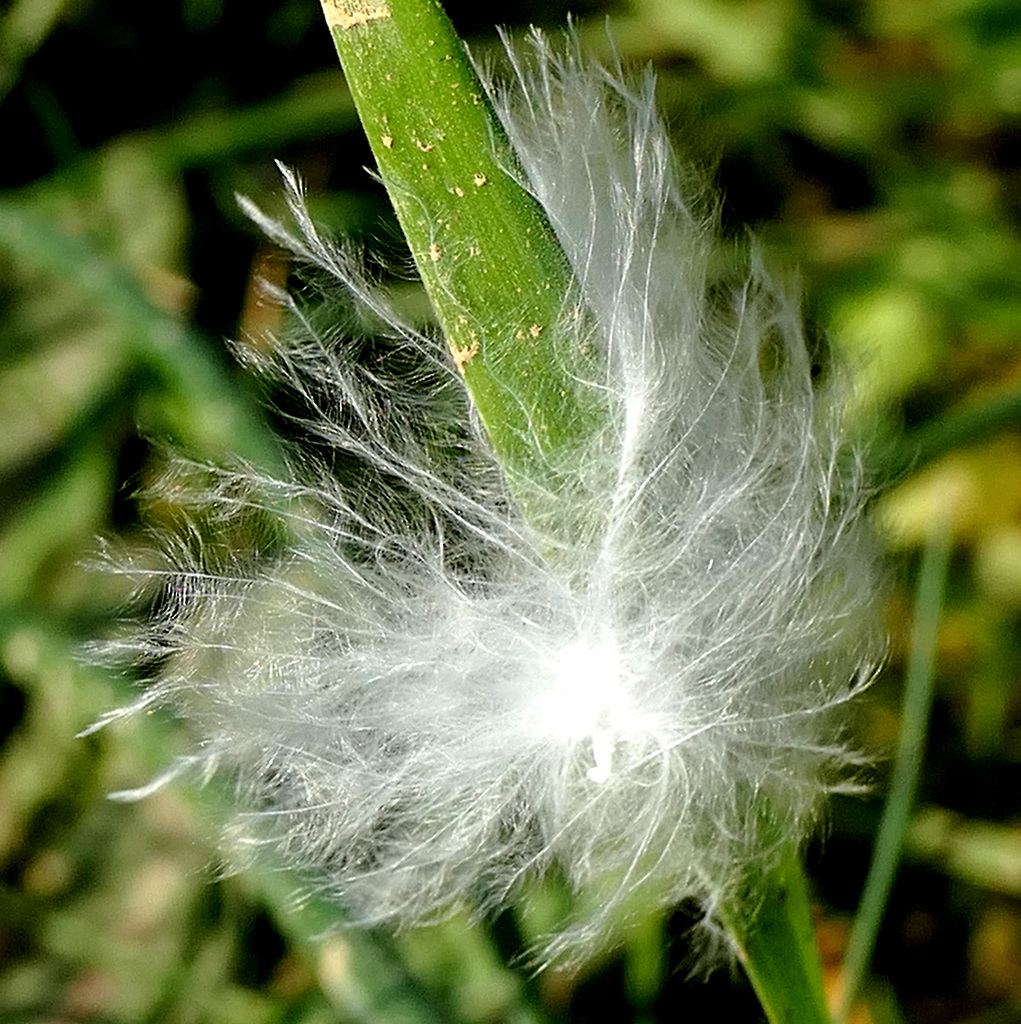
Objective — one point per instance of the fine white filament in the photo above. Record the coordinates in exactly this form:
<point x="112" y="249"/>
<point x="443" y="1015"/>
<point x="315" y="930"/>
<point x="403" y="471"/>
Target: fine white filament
<point x="421" y="698"/>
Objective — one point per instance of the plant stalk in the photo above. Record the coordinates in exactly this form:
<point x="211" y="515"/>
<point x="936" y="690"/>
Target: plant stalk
<point x="497" y="277"/>
<point x="503" y="292"/>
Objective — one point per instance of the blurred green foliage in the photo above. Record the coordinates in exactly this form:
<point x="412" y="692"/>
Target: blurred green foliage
<point x="873" y="144"/>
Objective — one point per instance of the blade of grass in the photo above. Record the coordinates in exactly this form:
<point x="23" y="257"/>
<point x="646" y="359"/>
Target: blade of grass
<point x="501" y="287"/>
<point x="777" y="947"/>
<point x="315" y="106"/>
<point x="492" y="266"/>
<point x="951" y="430"/>
<point x="219" y="419"/>
<point x="25" y="26"/>
<point x="917" y="704"/>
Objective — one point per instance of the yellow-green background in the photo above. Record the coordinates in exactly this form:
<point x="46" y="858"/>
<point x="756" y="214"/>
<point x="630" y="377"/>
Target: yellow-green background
<point x="874" y="146"/>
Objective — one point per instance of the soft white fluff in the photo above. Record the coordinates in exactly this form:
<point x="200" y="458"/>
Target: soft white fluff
<point x="423" y="700"/>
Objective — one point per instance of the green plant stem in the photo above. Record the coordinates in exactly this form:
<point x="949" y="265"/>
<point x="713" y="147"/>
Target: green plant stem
<point x="777" y="946"/>
<point x="493" y="268"/>
<point x="503" y="293"/>
<point x="917" y="704"/>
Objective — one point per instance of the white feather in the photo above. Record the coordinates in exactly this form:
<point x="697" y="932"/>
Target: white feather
<point x="422" y="700"/>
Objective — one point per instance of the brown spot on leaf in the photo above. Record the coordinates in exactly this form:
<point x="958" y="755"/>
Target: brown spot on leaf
<point x="463" y="356"/>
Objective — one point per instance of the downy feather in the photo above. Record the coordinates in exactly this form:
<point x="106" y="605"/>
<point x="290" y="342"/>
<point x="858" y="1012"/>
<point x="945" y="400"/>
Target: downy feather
<point x="423" y="699"/>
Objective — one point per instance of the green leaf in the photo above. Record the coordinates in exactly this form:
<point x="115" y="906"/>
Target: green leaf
<point x="776" y="946"/>
<point x="918" y="693"/>
<point x="492" y="266"/>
